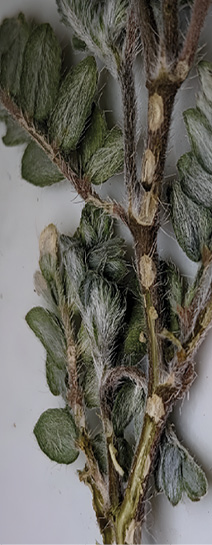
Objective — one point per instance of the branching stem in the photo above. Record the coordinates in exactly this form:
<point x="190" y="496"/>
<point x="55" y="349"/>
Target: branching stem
<point x="82" y="185"/>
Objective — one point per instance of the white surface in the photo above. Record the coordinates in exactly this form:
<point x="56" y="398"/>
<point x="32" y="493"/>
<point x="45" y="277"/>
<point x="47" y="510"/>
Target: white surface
<point x="41" y="502"/>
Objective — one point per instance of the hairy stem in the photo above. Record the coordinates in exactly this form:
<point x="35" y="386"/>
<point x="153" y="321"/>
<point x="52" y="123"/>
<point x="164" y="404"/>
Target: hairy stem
<point x="170" y="29"/>
<point x="74" y="395"/>
<point x="81" y="185"/>
<point x="126" y="516"/>
<point x="144" y="225"/>
<point x="149" y="33"/>
<point x="154" y="368"/>
<point x="188" y="52"/>
<point x="126" y="77"/>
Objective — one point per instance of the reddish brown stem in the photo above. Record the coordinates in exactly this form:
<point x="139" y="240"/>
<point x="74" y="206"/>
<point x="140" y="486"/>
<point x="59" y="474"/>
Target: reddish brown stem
<point x="199" y="13"/>
<point x="149" y="33"/>
<point x="126" y="76"/>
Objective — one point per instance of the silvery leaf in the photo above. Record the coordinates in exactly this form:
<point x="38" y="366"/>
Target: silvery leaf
<point x="192" y="223"/>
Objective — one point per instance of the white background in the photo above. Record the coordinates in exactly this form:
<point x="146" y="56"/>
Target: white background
<point x="40" y="501"/>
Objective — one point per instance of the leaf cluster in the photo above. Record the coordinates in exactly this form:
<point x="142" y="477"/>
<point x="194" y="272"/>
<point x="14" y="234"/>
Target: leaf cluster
<point x="86" y="282"/>
<point x="191" y="194"/>
<point x="177" y="472"/>
<point x="55" y="113"/>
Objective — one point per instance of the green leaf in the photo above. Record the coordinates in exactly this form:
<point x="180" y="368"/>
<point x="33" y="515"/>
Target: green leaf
<point x="172" y="473"/>
<point x="192" y="223"/>
<point x="100" y="452"/>
<point x="56" y="377"/>
<point x="177" y="471"/>
<point x="75" y="268"/>
<point x="129" y="402"/>
<point x="125" y="455"/>
<point x="176" y="288"/>
<point x="89" y="379"/>
<point x="108" y="160"/>
<point x="195" y="181"/>
<point x="56" y="434"/>
<point x="205" y="107"/>
<point x="15" y="135"/>
<point x="94" y="136"/>
<point x="9" y="30"/>
<point x="103" y="309"/>
<point x="90" y="384"/>
<point x="12" y="58"/>
<point x="200" y="134"/>
<point x="78" y="44"/>
<point x="47" y="328"/>
<point x="40" y="73"/>
<point x="37" y="168"/>
<point x="95" y="227"/>
<point x="107" y="259"/>
<point x="73" y="105"/>
<point x="133" y="347"/>
<point x="101" y="27"/>
<point x="205" y="75"/>
<point x="194" y="479"/>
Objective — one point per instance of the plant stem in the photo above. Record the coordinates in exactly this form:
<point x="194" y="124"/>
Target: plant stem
<point x="199" y="13"/>
<point x="126" y="515"/>
<point x="149" y="33"/>
<point x="144" y="225"/>
<point x="153" y="344"/>
<point x="170" y="28"/>
<point x="81" y="185"/>
<point x="126" y="76"/>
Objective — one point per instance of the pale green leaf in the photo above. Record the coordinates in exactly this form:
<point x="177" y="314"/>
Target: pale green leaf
<point x="89" y="379"/>
<point x="195" y="181"/>
<point x="172" y="473"/>
<point x="200" y="134"/>
<point x="56" y="434"/>
<point x="56" y="377"/>
<point x="177" y="471"/>
<point x="90" y="383"/>
<point x="103" y="309"/>
<point x="194" y="479"/>
<point x="100" y="451"/>
<point x="101" y="26"/>
<point x="108" y="160"/>
<point x="9" y="31"/>
<point x="107" y="259"/>
<point x="205" y="75"/>
<point x="205" y="107"/>
<point x="48" y="329"/>
<point x="129" y="402"/>
<point x="94" y="136"/>
<point x="37" y="168"/>
<point x="133" y="347"/>
<point x="75" y="268"/>
<point x="124" y="455"/>
<point x="176" y="286"/>
<point x="73" y="104"/>
<point x="15" y="135"/>
<point x="40" y="73"/>
<point x="12" y="58"/>
<point x="95" y="227"/>
<point x="192" y="223"/>
<point x="78" y="44"/>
